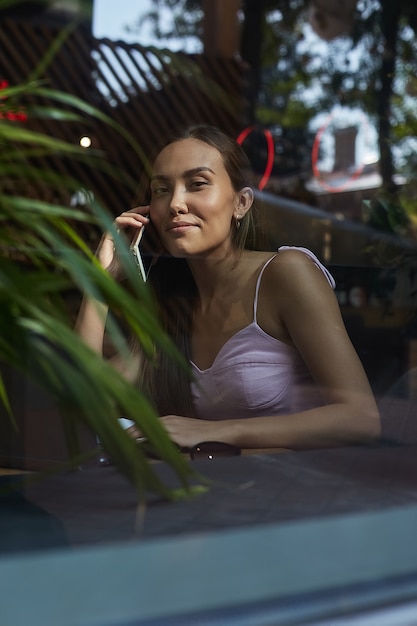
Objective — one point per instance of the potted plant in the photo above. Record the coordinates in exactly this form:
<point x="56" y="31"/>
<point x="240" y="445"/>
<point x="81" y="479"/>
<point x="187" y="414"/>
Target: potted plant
<point x="42" y="258"/>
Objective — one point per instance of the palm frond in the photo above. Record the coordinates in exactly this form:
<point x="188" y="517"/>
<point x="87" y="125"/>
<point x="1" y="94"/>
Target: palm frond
<point x="42" y="259"/>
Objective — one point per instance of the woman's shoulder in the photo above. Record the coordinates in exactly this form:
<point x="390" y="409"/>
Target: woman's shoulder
<point x="289" y="264"/>
<point x="285" y="253"/>
<point x="282" y="261"/>
<point x="296" y="262"/>
<point x="294" y="283"/>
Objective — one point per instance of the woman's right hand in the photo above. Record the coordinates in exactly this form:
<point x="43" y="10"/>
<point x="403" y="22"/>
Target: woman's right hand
<point x="128" y="222"/>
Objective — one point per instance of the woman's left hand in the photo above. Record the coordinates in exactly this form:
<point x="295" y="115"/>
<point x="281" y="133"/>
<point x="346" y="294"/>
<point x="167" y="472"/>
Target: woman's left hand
<point x="187" y="431"/>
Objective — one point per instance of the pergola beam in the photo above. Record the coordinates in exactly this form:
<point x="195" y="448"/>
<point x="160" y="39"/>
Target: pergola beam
<point x="221" y="36"/>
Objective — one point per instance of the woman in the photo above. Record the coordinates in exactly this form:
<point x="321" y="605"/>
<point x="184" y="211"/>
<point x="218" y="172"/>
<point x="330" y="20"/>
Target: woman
<point x="257" y="327"/>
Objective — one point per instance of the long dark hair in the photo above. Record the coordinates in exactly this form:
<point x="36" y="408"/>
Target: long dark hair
<point x="174" y="288"/>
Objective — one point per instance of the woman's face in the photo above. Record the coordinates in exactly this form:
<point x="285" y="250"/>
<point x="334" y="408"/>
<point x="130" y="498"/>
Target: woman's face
<point x="193" y="203"/>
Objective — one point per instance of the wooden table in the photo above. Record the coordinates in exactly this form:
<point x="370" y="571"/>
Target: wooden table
<point x="98" y="505"/>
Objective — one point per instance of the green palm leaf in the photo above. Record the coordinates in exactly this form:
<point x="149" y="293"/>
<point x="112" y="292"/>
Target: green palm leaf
<point x="43" y="257"/>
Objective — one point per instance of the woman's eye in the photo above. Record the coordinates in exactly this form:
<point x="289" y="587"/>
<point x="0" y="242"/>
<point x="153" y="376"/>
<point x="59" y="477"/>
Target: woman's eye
<point x="157" y="191"/>
<point x="197" y="184"/>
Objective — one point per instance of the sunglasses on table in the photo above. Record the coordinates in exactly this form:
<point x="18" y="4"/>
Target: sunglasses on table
<point x="211" y="450"/>
<point x="205" y="450"/>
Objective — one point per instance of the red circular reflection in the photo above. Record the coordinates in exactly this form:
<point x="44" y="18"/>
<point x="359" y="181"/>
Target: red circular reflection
<point x="270" y="155"/>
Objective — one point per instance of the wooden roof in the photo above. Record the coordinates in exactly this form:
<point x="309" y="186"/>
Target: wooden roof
<point x="149" y="92"/>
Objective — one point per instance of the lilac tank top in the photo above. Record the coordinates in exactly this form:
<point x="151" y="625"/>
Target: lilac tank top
<point x="255" y="374"/>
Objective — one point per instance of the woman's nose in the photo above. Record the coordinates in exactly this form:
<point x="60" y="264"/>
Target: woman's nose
<point x="178" y="203"/>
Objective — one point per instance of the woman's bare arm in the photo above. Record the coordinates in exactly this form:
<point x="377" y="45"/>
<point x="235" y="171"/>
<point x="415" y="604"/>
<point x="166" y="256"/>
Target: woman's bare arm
<point x="92" y="316"/>
<point x="311" y="315"/>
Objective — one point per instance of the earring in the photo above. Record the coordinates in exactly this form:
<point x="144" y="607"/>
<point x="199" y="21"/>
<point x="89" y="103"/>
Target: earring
<point x="237" y="221"/>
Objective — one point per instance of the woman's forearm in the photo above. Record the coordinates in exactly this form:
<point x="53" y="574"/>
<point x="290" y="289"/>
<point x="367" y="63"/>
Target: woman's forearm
<point x="335" y="424"/>
<point x="91" y="323"/>
<point x="331" y="425"/>
<point x="92" y="316"/>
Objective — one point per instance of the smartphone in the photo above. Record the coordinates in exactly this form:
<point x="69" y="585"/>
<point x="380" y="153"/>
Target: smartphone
<point x="134" y="249"/>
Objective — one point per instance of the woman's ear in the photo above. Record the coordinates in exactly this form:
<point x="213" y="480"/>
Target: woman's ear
<point x="245" y="199"/>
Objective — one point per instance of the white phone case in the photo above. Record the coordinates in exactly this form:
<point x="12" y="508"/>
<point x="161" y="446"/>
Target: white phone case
<point x="134" y="248"/>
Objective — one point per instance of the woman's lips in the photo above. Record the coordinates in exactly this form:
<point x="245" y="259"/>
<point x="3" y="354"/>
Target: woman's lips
<point x="180" y="227"/>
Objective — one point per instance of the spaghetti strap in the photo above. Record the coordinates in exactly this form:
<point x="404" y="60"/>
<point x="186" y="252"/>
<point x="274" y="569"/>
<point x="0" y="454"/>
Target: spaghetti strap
<point x="258" y="283"/>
